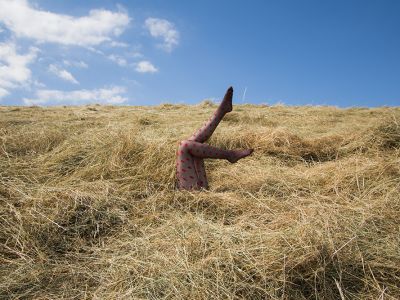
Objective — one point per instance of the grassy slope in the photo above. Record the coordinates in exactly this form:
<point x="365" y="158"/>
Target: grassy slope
<point x="88" y="207"/>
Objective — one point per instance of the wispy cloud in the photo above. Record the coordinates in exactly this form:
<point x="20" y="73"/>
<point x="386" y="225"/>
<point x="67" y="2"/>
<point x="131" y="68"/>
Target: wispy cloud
<point x="112" y="95"/>
<point x="118" y="44"/>
<point x="135" y="54"/>
<point x="38" y="84"/>
<point x="14" y="71"/>
<point x="145" y="66"/>
<point x="77" y="64"/>
<point x="118" y="60"/>
<point x="3" y="92"/>
<point x="161" y="28"/>
<point x="63" y="74"/>
<point x="97" y="27"/>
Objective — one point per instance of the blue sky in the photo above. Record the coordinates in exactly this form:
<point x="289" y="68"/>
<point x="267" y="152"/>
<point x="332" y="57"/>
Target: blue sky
<point x="343" y="53"/>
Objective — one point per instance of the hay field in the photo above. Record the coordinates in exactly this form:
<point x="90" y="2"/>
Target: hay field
<point x="88" y="208"/>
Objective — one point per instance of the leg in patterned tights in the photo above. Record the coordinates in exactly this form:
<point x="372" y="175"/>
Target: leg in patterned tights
<point x="190" y="169"/>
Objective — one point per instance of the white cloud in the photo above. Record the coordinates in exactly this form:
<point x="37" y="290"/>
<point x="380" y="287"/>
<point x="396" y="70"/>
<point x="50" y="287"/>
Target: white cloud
<point x="118" y="60"/>
<point x="97" y="51"/>
<point x="145" y="66"/>
<point x="161" y="28"/>
<point x="14" y="71"/>
<point x="118" y="44"/>
<point x="78" y="64"/>
<point x="97" y="27"/>
<point x="136" y="54"/>
<point x="38" y="84"/>
<point x="63" y="74"/>
<point x="113" y="95"/>
<point x="3" y="92"/>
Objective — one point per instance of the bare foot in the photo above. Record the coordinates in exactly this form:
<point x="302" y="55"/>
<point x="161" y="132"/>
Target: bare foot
<point x="226" y="103"/>
<point x="238" y="154"/>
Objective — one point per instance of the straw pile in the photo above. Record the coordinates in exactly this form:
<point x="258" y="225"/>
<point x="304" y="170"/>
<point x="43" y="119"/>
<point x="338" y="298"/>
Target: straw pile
<point x="88" y="207"/>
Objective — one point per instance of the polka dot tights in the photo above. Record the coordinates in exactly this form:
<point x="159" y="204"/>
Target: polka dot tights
<point x="191" y="153"/>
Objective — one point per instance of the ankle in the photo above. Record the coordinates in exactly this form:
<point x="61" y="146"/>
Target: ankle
<point x="222" y="111"/>
<point x="232" y="156"/>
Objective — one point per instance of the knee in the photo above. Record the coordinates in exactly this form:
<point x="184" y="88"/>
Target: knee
<point x="184" y="146"/>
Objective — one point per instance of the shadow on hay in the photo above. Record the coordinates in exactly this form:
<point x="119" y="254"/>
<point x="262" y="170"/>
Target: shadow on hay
<point x="80" y="226"/>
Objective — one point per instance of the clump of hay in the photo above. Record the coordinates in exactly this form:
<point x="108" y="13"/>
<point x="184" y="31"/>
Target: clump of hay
<point x="207" y="103"/>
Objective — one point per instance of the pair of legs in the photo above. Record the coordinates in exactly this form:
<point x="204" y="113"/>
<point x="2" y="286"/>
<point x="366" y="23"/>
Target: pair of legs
<point x="190" y="170"/>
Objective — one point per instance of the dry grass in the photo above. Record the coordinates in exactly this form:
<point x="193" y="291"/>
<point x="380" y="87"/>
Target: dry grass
<point x="88" y="208"/>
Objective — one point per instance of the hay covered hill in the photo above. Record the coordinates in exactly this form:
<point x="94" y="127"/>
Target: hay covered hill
<point x="88" y="207"/>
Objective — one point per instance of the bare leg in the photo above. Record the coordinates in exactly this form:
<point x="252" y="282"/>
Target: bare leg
<point x="204" y="133"/>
